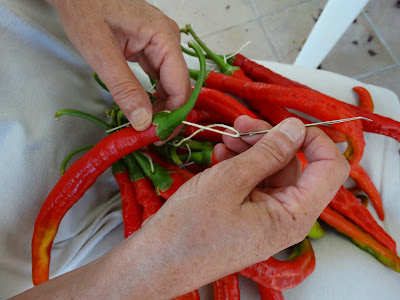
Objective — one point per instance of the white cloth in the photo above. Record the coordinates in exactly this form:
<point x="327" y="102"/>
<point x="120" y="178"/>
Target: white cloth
<point x="41" y="72"/>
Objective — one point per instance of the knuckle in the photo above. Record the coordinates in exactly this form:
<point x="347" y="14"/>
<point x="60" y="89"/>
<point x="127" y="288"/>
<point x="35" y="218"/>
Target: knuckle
<point x="124" y="91"/>
<point x="271" y="149"/>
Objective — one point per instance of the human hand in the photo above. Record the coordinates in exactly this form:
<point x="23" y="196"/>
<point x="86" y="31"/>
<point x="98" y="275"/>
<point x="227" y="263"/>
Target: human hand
<point x="109" y="32"/>
<point x="248" y="207"/>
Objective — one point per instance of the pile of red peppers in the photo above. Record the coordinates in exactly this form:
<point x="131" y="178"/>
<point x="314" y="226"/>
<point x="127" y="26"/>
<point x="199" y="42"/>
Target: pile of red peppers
<point x="148" y="175"/>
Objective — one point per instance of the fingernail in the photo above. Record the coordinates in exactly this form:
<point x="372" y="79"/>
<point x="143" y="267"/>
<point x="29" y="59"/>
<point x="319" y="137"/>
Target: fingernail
<point x="293" y="129"/>
<point x="140" y="117"/>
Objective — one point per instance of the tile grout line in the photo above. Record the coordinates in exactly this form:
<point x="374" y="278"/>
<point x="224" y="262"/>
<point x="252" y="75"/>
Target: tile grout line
<point x="253" y="5"/>
<point x="375" y="71"/>
<point x="380" y="37"/>
<point x="269" y="40"/>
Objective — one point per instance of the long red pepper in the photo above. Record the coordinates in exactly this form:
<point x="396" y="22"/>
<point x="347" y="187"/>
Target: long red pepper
<point x="380" y="125"/>
<point x="362" y="179"/>
<point x="349" y="206"/>
<point x="227" y="288"/>
<point x="84" y="172"/>
<point x="131" y="209"/>
<point x="227" y="107"/>
<point x="269" y="294"/>
<point x="259" y="95"/>
<point x="361" y="238"/>
<point x="282" y="275"/>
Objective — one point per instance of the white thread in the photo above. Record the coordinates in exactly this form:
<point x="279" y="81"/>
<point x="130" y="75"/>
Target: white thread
<point x="188" y="164"/>
<point x="233" y="54"/>
<point x="190" y="154"/>
<point x="150" y="161"/>
<point x="118" y="127"/>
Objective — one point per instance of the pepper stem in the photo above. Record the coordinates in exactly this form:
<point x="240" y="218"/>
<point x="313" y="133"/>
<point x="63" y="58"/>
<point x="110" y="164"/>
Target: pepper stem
<point x="71" y="155"/>
<point x="81" y="114"/>
<point x="224" y="66"/>
<point x="167" y="121"/>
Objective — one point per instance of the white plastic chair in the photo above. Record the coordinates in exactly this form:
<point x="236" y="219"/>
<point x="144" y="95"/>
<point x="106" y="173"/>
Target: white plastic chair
<point x="332" y="23"/>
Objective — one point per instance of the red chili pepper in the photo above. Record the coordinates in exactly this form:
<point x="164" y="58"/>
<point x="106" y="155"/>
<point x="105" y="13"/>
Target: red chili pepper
<point x="364" y="98"/>
<point x="380" y="125"/>
<point x="144" y="190"/>
<point x="189" y="296"/>
<point x="349" y="206"/>
<point x="262" y="74"/>
<point x="282" y="275"/>
<point x="363" y="180"/>
<point x="225" y="106"/>
<point x="227" y="288"/>
<point x="131" y="209"/>
<point x="84" y="172"/>
<point x="259" y="95"/>
<point x="361" y="238"/>
<point x="269" y="294"/>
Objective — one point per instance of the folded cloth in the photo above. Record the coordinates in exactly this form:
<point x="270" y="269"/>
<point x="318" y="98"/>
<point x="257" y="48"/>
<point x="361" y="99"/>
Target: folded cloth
<point x="41" y="72"/>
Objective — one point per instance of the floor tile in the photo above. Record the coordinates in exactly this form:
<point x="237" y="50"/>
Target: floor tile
<point x="359" y="51"/>
<point x="231" y="40"/>
<point x="388" y="79"/>
<point x="207" y="16"/>
<point x="386" y="17"/>
<point x="269" y="7"/>
<point x="289" y="29"/>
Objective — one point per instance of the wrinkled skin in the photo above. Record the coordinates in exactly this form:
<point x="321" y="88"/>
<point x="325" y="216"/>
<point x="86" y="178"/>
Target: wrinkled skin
<point x="109" y="32"/>
<point x="245" y="209"/>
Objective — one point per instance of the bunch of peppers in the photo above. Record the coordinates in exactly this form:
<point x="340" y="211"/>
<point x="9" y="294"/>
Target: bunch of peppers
<point x="148" y="175"/>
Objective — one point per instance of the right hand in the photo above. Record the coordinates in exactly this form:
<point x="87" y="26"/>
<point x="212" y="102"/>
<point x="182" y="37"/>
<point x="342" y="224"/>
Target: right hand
<point x="249" y="206"/>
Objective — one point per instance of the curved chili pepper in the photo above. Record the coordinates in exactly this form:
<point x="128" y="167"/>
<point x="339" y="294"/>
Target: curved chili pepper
<point x="227" y="107"/>
<point x="259" y="95"/>
<point x="260" y="73"/>
<point x="282" y="275"/>
<point x="131" y="209"/>
<point x="349" y="206"/>
<point x="81" y="175"/>
<point x="71" y="155"/>
<point x="364" y="98"/>
<point x="380" y="125"/>
<point x="269" y="294"/>
<point x="362" y="179"/>
<point x="189" y="296"/>
<point x="227" y="288"/>
<point x="362" y="239"/>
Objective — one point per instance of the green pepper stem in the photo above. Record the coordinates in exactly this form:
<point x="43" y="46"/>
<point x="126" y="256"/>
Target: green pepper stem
<point x="316" y="232"/>
<point x="167" y="121"/>
<point x="118" y="167"/>
<point x="161" y="178"/>
<point x="135" y="171"/>
<point x="224" y="66"/>
<point x="81" y="114"/>
<point x="120" y="116"/>
<point x="98" y="80"/>
<point x="71" y="155"/>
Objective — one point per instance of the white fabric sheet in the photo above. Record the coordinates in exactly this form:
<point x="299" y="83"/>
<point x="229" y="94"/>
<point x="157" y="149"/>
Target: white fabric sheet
<point x="41" y="72"/>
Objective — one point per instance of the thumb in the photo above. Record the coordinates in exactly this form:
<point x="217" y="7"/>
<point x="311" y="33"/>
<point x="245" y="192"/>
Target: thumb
<point x="269" y="155"/>
<point x="131" y="97"/>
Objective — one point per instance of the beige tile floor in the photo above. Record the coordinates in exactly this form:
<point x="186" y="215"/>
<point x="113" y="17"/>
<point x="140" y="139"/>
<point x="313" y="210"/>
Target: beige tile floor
<point x="369" y="50"/>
